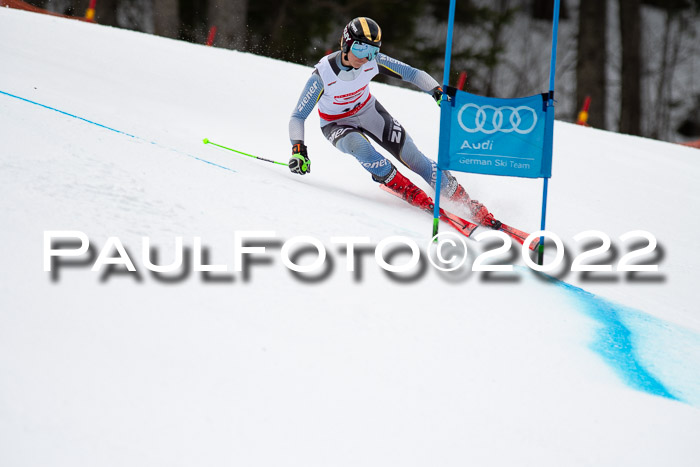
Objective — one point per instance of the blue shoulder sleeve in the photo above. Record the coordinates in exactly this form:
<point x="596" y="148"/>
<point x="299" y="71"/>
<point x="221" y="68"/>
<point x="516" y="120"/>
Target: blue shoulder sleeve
<point x="396" y="69"/>
<point x="307" y="101"/>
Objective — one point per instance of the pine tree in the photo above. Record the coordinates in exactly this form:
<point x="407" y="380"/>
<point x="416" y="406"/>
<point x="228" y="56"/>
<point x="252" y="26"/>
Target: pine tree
<point x="590" y="66"/>
<point x="631" y="89"/>
<point x="166" y="18"/>
<point x="230" y="18"/>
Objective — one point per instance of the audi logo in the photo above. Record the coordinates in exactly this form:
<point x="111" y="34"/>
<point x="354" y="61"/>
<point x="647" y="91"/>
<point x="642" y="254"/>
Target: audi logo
<point x="480" y="122"/>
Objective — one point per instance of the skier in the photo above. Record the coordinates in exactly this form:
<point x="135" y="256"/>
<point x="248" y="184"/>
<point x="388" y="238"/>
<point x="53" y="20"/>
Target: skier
<point x="350" y="113"/>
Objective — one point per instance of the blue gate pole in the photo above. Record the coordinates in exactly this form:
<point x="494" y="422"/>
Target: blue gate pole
<point x="445" y="83"/>
<point x="550" y="103"/>
<point x="448" y="43"/>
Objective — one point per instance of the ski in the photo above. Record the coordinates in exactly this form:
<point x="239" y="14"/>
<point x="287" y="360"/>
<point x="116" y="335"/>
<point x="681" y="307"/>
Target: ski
<point x="519" y="236"/>
<point x="516" y="234"/>
<point x="465" y="227"/>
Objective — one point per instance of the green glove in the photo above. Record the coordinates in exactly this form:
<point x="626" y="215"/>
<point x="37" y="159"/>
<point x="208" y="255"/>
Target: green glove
<point x="439" y="95"/>
<point x="299" y="163"/>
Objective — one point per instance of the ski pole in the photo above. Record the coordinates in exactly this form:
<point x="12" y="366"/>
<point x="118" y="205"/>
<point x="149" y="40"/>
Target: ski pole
<point x="206" y="141"/>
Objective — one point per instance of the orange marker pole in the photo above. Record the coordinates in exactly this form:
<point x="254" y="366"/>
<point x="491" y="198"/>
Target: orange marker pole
<point x="90" y="13"/>
<point x="212" y="35"/>
<point x="583" y="114"/>
<point x="462" y="80"/>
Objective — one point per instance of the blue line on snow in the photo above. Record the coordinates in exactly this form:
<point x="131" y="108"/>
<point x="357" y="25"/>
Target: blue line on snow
<point x="615" y="342"/>
<point x="66" y="113"/>
<point x="114" y="130"/>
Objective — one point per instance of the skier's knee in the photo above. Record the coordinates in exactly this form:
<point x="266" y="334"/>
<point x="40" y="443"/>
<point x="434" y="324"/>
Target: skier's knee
<point x="353" y="143"/>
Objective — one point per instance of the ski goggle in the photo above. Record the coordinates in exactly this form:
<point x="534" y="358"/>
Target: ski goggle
<point x="362" y="50"/>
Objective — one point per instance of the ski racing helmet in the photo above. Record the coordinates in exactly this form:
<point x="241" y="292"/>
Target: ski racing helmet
<point x="363" y="36"/>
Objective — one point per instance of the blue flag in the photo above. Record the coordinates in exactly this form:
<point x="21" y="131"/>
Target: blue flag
<point x="488" y="135"/>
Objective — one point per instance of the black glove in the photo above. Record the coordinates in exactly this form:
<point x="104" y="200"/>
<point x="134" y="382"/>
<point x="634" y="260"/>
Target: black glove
<point x="299" y="162"/>
<point x="439" y="95"/>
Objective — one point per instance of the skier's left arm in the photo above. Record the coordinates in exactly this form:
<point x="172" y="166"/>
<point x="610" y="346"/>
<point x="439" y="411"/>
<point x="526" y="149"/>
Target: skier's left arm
<point x="300" y="163"/>
<point x="391" y="67"/>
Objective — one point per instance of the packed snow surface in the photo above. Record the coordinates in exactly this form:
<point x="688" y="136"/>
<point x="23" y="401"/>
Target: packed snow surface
<point x="101" y="133"/>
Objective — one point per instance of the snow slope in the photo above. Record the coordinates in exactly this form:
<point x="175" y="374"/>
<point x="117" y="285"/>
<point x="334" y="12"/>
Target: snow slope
<point x="101" y="132"/>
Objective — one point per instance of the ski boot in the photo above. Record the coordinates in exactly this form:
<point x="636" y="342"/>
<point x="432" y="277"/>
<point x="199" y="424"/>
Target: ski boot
<point x="406" y="190"/>
<point x="478" y="211"/>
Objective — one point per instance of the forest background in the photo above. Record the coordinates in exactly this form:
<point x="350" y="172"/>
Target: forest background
<point x="638" y="61"/>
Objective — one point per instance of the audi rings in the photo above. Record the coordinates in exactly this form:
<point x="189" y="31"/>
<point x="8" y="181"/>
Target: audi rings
<point x="497" y="119"/>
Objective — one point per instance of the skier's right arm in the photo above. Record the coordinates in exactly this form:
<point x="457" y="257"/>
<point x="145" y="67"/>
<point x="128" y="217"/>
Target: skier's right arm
<point x="299" y="163"/>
